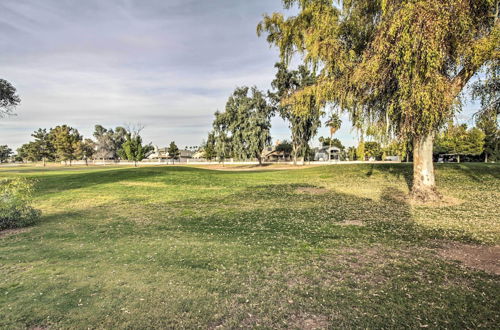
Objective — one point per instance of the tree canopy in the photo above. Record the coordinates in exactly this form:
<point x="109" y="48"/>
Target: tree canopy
<point x="133" y="149"/>
<point x="303" y="124"/>
<point x="397" y="64"/>
<point x="8" y="98"/>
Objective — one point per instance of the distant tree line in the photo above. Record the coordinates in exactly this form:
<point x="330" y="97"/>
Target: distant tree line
<point x="65" y="144"/>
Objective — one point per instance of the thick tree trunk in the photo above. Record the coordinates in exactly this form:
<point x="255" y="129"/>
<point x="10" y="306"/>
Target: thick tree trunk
<point x="424" y="184"/>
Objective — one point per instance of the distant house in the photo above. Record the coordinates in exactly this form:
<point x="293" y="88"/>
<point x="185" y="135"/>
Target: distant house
<point x="159" y="153"/>
<point x="327" y="154"/>
<point x="276" y="154"/>
<point x="162" y="154"/>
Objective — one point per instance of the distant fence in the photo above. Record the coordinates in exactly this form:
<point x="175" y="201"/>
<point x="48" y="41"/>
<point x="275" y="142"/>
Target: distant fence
<point x="150" y="162"/>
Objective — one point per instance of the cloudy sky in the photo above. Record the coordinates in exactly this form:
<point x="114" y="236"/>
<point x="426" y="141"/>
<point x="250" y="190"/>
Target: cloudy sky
<point x="167" y="64"/>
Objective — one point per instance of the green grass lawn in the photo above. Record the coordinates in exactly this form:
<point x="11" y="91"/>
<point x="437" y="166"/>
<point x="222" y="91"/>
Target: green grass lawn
<point x="183" y="247"/>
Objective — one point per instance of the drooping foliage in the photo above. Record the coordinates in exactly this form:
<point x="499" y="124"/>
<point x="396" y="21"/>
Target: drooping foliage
<point x="401" y="62"/>
<point x="109" y="141"/>
<point x="243" y="129"/>
<point x="303" y="124"/>
<point x="398" y="65"/>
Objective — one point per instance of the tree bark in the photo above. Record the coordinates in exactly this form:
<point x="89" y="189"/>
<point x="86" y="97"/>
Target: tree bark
<point x="458" y="158"/>
<point x="294" y="150"/>
<point x="424" y="184"/>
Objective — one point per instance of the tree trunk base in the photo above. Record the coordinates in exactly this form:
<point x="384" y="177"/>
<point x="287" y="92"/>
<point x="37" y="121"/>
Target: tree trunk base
<point x="425" y="195"/>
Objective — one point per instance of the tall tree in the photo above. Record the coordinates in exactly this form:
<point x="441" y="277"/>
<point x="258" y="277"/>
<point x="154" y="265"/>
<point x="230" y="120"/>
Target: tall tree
<point x="133" y="149"/>
<point x="43" y="145"/>
<point x="400" y="63"/>
<point x="248" y="117"/>
<point x="487" y="91"/>
<point x="304" y="123"/>
<point x="173" y="151"/>
<point x="8" y="98"/>
<point x="66" y="141"/>
<point x="5" y="153"/>
<point x="333" y="123"/>
<point x="223" y="148"/>
<point x="109" y="142"/>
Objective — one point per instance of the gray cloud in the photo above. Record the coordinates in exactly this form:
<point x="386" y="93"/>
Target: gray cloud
<point x="168" y="64"/>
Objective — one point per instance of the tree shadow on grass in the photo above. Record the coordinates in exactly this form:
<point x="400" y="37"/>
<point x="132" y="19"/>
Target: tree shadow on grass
<point x="276" y="214"/>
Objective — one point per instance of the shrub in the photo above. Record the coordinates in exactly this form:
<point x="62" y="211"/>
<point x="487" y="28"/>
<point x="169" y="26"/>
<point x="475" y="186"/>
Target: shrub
<point x="15" y="204"/>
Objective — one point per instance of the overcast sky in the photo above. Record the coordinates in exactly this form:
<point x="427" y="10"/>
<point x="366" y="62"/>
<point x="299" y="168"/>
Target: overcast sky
<point x="168" y="64"/>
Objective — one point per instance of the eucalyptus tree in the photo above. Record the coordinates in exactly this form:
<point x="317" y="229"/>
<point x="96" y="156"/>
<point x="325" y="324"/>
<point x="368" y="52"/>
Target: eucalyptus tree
<point x="8" y="98"/>
<point x="109" y="142"/>
<point x="487" y="91"/>
<point x="222" y="137"/>
<point x="304" y="122"/>
<point x="248" y="116"/>
<point x="401" y="63"/>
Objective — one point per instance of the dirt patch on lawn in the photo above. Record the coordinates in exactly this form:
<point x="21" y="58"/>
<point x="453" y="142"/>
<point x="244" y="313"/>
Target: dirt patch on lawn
<point x="401" y="197"/>
<point x="486" y="258"/>
<point x="312" y="190"/>
<point x="10" y="232"/>
<point x="309" y="322"/>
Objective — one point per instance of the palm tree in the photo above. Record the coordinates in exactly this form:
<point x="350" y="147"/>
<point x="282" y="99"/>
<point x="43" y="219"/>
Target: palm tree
<point x="334" y="123"/>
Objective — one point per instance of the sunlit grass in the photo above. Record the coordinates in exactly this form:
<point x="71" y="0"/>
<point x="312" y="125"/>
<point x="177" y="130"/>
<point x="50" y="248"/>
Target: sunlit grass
<point x="191" y="247"/>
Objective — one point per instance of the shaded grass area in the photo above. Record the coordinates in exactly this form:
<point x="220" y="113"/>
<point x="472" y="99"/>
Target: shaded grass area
<point x="188" y="247"/>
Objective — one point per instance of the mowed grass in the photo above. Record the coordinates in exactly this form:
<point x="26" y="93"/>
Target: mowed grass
<point x="183" y="247"/>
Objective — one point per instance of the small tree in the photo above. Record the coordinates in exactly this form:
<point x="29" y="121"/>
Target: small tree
<point x="173" y="151"/>
<point x="373" y="150"/>
<point x="487" y="121"/>
<point x="66" y="142"/>
<point x="42" y="146"/>
<point x="5" y="153"/>
<point x="8" y="98"/>
<point x="133" y="149"/>
<point x="87" y="150"/>
<point x="209" y="147"/>
<point x="459" y="141"/>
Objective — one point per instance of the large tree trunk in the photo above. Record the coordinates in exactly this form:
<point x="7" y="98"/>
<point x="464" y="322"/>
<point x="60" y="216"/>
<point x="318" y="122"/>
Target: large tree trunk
<point x="424" y="184"/>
